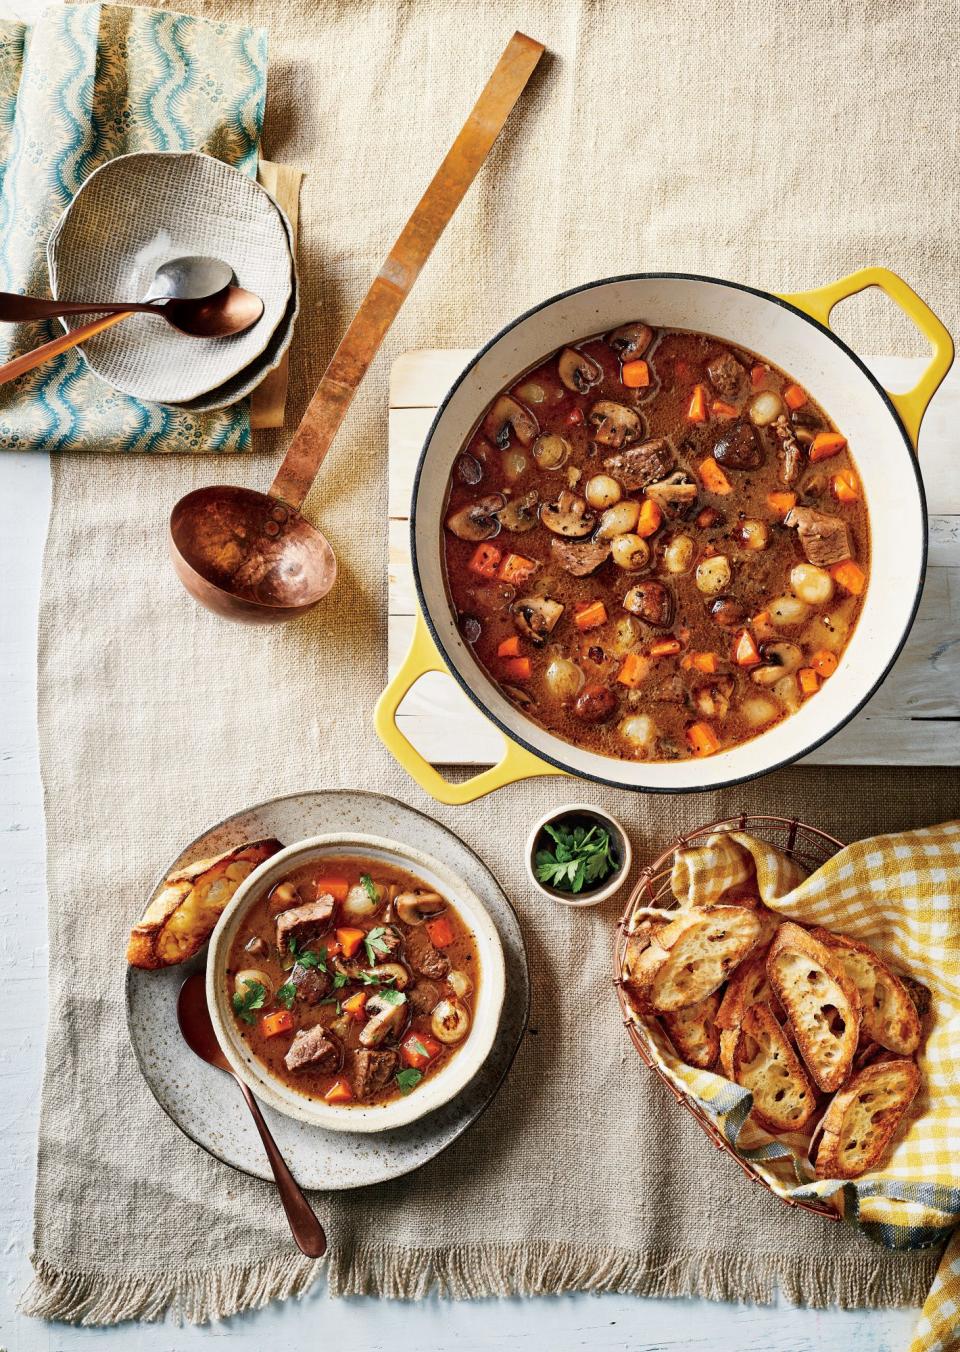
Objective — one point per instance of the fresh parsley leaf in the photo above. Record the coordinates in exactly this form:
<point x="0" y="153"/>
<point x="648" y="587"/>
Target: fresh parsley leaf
<point x="286" y="995"/>
<point x="252" y="998"/>
<point x="339" y="981"/>
<point x="419" y="1048"/>
<point x="583" y="856"/>
<point x="408" y="1080"/>
<point x="375" y="944"/>
<point x="370" y="887"/>
<point x="388" y="996"/>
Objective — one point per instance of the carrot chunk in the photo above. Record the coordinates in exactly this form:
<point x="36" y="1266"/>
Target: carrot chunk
<point x="635" y="374"/>
<point x="697" y="411"/>
<point x="809" y="680"/>
<point x="340" y="1091"/>
<point x="704" y="661"/>
<point x="634" y="670"/>
<point x="484" y="560"/>
<point x="712" y="477"/>
<point x="665" y="647"/>
<point x="745" y="651"/>
<point x="846" y="487"/>
<point x="517" y="668"/>
<point x="515" y="568"/>
<point x="354" y="1004"/>
<point x="850" y="576"/>
<point x="419" y="1049"/>
<point x="824" y="663"/>
<point x="703" y="740"/>
<point x="590" y="615"/>
<point x="758" y="375"/>
<point x="781" y="502"/>
<point x="762" y="625"/>
<point x="651" y="518"/>
<point x="721" y="409"/>
<point x="334" y="887"/>
<point x="350" y="941"/>
<point x="441" y="932"/>
<point x="826" y="444"/>
<point x="509" y="647"/>
<point x="794" y="397"/>
<point x="280" y="1021"/>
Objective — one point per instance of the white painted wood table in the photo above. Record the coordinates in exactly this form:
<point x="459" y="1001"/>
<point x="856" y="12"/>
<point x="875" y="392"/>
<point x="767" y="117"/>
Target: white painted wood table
<point x="562" y="1324"/>
<point x="914" y="719"/>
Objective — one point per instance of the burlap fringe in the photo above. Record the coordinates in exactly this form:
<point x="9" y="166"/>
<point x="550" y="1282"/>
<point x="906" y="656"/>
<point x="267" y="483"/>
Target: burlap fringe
<point x="474" y="1271"/>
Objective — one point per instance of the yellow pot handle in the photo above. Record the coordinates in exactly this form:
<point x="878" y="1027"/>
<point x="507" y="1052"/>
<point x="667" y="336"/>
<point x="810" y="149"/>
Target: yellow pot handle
<point x="517" y="763"/>
<point x="913" y="405"/>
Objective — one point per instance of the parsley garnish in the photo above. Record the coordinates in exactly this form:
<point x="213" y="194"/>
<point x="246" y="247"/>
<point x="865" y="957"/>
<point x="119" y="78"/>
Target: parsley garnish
<point x="252" y="998"/>
<point x="376" y="945"/>
<point x="583" y="856"/>
<point x="370" y="887"/>
<point x="339" y="980"/>
<point x="388" y="996"/>
<point x="286" y="995"/>
<point x="408" y="1079"/>
<point x="419" y="1048"/>
<point x="306" y="957"/>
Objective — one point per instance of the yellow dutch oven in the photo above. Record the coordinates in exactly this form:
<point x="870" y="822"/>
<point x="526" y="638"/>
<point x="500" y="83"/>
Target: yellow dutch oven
<point x="793" y="332"/>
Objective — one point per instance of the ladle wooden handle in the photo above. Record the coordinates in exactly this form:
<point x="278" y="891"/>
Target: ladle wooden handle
<point x="38" y="355"/>
<point x="391" y="286"/>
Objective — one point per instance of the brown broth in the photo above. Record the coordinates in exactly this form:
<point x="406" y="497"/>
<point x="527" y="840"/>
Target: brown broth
<point x="260" y="923"/>
<point x="673" y="691"/>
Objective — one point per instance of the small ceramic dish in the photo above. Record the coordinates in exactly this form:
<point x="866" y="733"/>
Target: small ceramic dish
<point x="132" y="214"/>
<point x="435" y="1091"/>
<point x="539" y="839"/>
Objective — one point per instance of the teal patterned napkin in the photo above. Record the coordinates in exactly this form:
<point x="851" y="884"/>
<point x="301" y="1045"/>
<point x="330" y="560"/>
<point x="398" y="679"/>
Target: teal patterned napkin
<point x="87" y="83"/>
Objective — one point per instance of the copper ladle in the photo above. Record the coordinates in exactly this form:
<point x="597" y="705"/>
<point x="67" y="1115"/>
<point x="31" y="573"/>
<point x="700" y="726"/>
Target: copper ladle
<point x="193" y="1017"/>
<point x="251" y="556"/>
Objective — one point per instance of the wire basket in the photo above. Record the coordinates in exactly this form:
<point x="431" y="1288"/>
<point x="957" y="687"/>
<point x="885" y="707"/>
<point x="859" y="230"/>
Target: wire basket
<point x="810" y="848"/>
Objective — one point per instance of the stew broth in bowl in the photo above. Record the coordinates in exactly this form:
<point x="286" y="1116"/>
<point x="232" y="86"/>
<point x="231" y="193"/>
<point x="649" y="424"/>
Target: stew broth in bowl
<point x="656" y="544"/>
<point x="352" y="981"/>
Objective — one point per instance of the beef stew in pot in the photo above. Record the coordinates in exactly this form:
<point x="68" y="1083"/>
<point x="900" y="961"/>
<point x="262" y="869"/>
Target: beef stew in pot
<point x="352" y="981"/>
<point x="656" y="544"/>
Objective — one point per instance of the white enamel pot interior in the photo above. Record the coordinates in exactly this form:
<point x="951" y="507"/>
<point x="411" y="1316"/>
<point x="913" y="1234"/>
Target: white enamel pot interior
<point x="836" y="378"/>
<point x="437" y="1089"/>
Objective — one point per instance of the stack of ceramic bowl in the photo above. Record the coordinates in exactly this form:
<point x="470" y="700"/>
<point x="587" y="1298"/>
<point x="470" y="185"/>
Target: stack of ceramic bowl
<point x="137" y="212"/>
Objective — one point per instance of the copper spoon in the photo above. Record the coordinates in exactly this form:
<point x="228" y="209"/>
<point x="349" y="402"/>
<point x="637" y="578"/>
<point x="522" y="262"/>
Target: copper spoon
<point x="251" y="556"/>
<point x="232" y="310"/>
<point x="190" y="277"/>
<point x="193" y="1017"/>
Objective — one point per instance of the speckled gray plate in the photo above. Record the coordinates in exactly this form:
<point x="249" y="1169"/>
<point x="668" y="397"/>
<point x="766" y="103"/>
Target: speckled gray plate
<point x="205" y="1103"/>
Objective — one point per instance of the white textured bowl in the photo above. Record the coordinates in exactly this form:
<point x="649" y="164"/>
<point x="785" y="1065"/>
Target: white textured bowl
<point x="434" y="1091"/>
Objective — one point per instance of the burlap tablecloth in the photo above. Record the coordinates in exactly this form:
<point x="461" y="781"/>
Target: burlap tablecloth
<point x="781" y="145"/>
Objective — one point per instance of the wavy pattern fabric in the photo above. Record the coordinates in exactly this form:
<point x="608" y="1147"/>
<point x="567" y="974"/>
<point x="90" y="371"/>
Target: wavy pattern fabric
<point x="85" y="84"/>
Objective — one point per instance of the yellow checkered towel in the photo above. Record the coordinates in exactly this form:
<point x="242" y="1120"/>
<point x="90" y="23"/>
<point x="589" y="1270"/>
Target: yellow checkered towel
<point x="901" y="895"/>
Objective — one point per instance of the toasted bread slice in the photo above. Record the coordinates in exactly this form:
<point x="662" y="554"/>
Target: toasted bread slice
<point x="820" y="1001"/>
<point x="693" y="1031"/>
<point x="763" y="1061"/>
<point x="863" y="1118"/>
<point x="183" y="914"/>
<point x="888" y="1014"/>
<point x="689" y="958"/>
<point x="749" y="985"/>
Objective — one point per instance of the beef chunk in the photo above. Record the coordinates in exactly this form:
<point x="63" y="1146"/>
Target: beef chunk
<point x="423" y="957"/>
<point x="823" y="538"/>
<point x="303" y="923"/>
<point x="371" y="1071"/>
<point x="726" y="374"/>
<point x="641" y="465"/>
<point x="257" y="947"/>
<point x="393" y="939"/>
<point x="313" y="1048"/>
<point x="312" y="984"/>
<point x="423" y="996"/>
<point x="579" y="560"/>
<point x="790" y="455"/>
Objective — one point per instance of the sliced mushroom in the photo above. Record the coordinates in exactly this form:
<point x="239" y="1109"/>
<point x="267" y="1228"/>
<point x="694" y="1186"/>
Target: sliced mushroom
<point x="630" y="341"/>
<point x="460" y="983"/>
<point x="389" y="1011"/>
<point x="450" y="1021"/>
<point x="713" y="700"/>
<point x="614" y="424"/>
<point x="779" y="659"/>
<point x="673" y="495"/>
<point x="478" y="520"/>
<point x="520" y="514"/>
<point x="596" y="703"/>
<point x="469" y="469"/>
<point x="536" y="617"/>
<point x="727" y="612"/>
<point x="739" y="447"/>
<point x="256" y="947"/>
<point x="577" y="371"/>
<point x="509" y="417"/>
<point x="653" y="602"/>
<point x="390" y="973"/>
<point x="413" y="908"/>
<point x="569" y="516"/>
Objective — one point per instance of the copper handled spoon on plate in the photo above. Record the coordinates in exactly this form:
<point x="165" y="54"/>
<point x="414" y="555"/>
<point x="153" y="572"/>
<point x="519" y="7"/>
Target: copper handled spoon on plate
<point x="252" y="556"/>
<point x="197" y="1029"/>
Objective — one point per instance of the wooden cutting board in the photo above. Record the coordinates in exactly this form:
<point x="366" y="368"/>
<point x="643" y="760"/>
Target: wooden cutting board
<point x="914" y="719"/>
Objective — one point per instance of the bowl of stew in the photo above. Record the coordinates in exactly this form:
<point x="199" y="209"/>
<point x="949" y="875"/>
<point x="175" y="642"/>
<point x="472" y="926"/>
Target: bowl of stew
<point x="355" y="982"/>
<point x="668" y="532"/>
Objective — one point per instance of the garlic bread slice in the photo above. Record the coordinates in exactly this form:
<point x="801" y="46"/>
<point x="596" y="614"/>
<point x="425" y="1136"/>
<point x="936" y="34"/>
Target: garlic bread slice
<point x="888" y="1015"/>
<point x="820" y="1000"/>
<point x="863" y="1118"/>
<point x="691" y="957"/>
<point x="693" y="1031"/>
<point x="763" y="1061"/>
